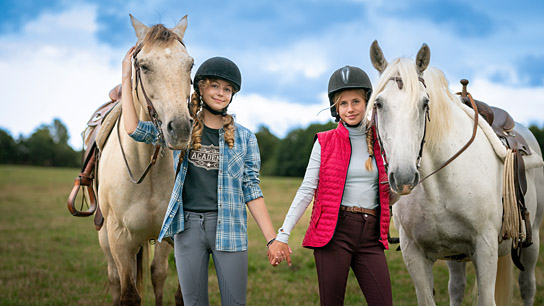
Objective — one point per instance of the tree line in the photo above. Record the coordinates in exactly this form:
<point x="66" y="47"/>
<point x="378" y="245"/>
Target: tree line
<point x="288" y="156"/>
<point x="46" y="146"/>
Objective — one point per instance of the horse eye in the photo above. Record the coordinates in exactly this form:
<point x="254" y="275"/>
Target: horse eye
<point x="378" y="104"/>
<point x="426" y="103"/>
<point x="144" y="68"/>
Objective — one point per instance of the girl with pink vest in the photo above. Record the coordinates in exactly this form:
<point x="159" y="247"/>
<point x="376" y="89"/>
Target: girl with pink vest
<point x="350" y="216"/>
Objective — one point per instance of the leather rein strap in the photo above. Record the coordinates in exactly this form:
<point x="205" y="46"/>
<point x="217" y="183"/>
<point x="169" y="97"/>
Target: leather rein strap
<point x="154" y="119"/>
<point x="399" y="82"/>
<point x="474" y="130"/>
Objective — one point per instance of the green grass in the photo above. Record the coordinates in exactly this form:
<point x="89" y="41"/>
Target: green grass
<point x="48" y="257"/>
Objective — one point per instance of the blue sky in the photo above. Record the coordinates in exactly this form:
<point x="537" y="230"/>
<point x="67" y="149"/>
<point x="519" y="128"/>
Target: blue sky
<point x="60" y="58"/>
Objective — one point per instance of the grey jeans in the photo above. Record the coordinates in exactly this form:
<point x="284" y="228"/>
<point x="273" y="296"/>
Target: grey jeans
<point x="192" y="249"/>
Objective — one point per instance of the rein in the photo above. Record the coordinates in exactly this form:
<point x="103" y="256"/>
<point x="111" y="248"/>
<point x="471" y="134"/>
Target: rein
<point x="154" y="118"/>
<point x="399" y="82"/>
<point x="474" y="130"/>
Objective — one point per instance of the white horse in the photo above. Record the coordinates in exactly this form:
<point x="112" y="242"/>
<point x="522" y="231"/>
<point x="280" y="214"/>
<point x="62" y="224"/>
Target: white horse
<point x="457" y="211"/>
<point x="134" y="213"/>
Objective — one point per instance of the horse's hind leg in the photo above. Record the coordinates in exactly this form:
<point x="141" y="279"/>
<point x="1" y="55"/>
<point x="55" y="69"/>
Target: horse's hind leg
<point x="457" y="281"/>
<point x="529" y="256"/>
<point x="113" y="274"/>
<point x="159" y="270"/>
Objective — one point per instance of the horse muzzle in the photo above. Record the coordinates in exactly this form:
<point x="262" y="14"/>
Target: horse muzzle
<point x="177" y="132"/>
<point x="403" y="182"/>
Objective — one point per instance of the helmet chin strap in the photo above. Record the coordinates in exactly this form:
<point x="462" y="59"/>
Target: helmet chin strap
<point x="354" y="125"/>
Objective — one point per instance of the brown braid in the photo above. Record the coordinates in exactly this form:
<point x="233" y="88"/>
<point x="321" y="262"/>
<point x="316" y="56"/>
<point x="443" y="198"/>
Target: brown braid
<point x="198" y="126"/>
<point x="370" y="146"/>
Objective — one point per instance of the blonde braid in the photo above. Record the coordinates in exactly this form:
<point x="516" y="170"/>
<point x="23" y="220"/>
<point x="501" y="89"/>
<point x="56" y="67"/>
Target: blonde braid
<point x="228" y="126"/>
<point x="370" y="146"/>
<point x="196" y="136"/>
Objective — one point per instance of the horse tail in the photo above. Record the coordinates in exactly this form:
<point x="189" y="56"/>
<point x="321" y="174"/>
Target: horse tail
<point x="142" y="263"/>
<point x="503" y="283"/>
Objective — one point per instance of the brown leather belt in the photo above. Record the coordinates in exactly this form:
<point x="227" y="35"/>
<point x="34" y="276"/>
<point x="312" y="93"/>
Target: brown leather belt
<point x="359" y="210"/>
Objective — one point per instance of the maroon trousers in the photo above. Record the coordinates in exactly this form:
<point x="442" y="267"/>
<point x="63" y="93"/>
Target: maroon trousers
<point x="354" y="244"/>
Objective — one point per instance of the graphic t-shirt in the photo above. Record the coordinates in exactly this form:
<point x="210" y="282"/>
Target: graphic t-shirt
<point x="200" y="188"/>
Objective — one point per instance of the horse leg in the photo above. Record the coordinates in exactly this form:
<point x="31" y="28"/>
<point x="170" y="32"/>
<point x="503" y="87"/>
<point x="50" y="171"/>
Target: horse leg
<point x="529" y="256"/>
<point x="113" y="274"/>
<point x="457" y="281"/>
<point x="485" y="263"/>
<point x="159" y="270"/>
<point x="124" y="253"/>
<point x="421" y="270"/>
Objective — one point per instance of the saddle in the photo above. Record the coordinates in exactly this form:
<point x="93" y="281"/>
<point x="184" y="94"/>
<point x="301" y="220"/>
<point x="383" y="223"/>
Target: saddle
<point x="95" y="135"/>
<point x="504" y="127"/>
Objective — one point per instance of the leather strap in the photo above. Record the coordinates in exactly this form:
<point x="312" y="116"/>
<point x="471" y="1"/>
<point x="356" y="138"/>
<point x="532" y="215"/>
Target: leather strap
<point x="474" y="130"/>
<point x="359" y="210"/>
<point x="151" y="163"/>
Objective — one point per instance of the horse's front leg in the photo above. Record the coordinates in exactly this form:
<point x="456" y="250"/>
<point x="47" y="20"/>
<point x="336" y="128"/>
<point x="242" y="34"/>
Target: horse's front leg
<point x="124" y="252"/>
<point x="457" y="282"/>
<point x="485" y="262"/>
<point x="420" y="268"/>
<point x="113" y="274"/>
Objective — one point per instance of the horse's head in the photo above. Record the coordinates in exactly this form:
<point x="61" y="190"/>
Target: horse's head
<point x="162" y="79"/>
<point x="398" y="108"/>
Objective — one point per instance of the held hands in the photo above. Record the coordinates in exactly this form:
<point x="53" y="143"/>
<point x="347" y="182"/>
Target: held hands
<point x="279" y="251"/>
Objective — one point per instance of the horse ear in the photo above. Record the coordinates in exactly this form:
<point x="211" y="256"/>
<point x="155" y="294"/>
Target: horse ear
<point x="140" y="28"/>
<point x="180" y="27"/>
<point x="376" y="56"/>
<point x="423" y="58"/>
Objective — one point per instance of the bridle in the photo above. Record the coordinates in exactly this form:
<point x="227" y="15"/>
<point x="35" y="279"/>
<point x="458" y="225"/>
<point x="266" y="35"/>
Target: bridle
<point x="159" y="147"/>
<point x="374" y="122"/>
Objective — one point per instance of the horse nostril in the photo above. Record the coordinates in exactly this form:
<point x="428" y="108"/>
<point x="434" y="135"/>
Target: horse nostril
<point x="170" y="127"/>
<point x="392" y="179"/>
<point x="416" y="179"/>
<point x="191" y="121"/>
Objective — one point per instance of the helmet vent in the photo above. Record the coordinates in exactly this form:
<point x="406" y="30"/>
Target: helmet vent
<point x="345" y="74"/>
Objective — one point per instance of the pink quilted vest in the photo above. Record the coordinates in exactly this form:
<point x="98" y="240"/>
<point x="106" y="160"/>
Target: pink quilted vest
<point x="335" y="157"/>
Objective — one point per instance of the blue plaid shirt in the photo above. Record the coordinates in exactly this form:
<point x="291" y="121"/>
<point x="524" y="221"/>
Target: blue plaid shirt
<point x="238" y="183"/>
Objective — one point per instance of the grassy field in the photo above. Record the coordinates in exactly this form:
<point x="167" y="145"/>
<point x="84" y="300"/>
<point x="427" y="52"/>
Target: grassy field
<point x="48" y="257"/>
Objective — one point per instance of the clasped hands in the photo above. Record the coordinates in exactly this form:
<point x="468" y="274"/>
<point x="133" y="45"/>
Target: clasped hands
<point x="279" y="251"/>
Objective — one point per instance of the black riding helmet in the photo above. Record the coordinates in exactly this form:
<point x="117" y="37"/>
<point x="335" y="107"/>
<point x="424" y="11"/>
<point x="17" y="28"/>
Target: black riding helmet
<point x="348" y="77"/>
<point x="222" y="68"/>
<point x="219" y="67"/>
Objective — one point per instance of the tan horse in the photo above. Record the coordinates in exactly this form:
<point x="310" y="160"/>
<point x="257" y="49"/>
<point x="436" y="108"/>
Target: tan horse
<point x="134" y="212"/>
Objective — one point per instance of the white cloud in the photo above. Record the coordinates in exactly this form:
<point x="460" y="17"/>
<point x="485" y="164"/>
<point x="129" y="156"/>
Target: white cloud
<point x="55" y="68"/>
<point x="278" y="115"/>
<point x="304" y="57"/>
<point x="525" y="105"/>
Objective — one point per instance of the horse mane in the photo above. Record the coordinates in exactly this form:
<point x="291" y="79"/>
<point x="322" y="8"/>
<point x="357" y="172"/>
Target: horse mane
<point x="441" y="100"/>
<point x="160" y="35"/>
<point x="438" y="90"/>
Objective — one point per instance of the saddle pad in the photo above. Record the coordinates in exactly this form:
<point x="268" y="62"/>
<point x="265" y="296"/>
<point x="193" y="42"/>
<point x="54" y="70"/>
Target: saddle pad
<point x="107" y="126"/>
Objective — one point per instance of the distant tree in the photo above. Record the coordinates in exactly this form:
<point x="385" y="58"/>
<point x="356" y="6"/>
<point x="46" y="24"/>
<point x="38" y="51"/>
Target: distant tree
<point x="294" y="150"/>
<point x="8" y="148"/>
<point x="59" y="133"/>
<point x="47" y="146"/>
<point x="268" y="145"/>
<point x="539" y="134"/>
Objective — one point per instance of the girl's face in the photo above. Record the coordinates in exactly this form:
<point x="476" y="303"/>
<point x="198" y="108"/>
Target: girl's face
<point x="351" y="107"/>
<point x="217" y="94"/>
